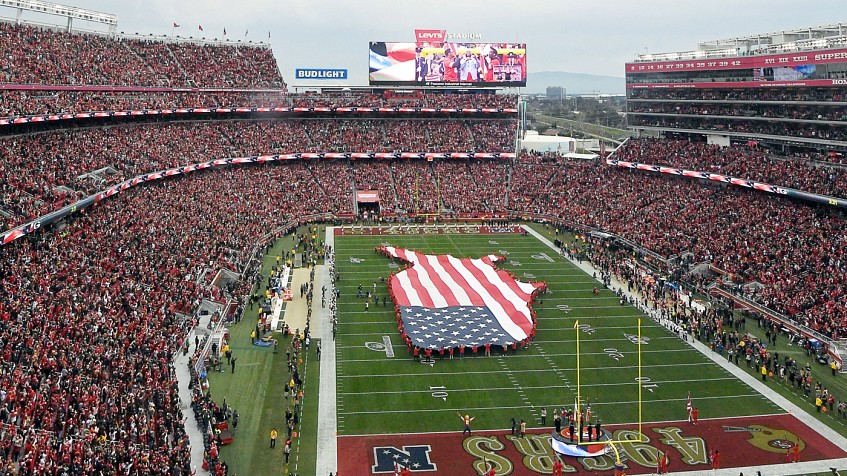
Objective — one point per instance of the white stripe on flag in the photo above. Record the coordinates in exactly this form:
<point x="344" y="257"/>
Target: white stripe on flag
<point x="427" y="281"/>
<point x="462" y="298"/>
<point x="411" y="292"/>
<point x="508" y="294"/>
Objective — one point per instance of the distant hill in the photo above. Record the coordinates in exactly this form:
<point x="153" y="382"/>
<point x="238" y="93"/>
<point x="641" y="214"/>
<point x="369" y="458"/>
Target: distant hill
<point x="574" y="83"/>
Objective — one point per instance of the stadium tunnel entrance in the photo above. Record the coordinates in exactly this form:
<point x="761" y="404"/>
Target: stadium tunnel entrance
<point x="367" y="204"/>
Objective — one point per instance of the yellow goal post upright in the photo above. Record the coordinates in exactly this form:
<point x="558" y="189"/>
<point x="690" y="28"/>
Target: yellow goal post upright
<point x="639" y="380"/>
<point x="437" y="197"/>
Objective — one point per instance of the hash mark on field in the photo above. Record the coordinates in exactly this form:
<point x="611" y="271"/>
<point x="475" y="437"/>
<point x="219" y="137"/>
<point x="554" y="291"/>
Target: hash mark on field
<point x="553" y="366"/>
<point x="515" y="382"/>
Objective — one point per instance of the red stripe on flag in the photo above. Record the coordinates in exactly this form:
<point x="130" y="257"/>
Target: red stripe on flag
<point x="514" y="286"/>
<point x="435" y="277"/>
<point x="400" y="296"/>
<point x="474" y="296"/>
<point x="423" y="294"/>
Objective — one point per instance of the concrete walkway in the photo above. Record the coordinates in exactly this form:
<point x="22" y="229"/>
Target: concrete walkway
<point x="195" y="436"/>
<point x="822" y="466"/>
<point x="327" y="454"/>
<point x="296" y="309"/>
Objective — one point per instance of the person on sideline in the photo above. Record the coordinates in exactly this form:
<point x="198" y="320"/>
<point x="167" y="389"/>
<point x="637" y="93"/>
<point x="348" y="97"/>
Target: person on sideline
<point x="467" y="419"/>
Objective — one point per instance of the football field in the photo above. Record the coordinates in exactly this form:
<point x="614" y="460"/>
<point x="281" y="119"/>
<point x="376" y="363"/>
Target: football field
<point x="381" y="394"/>
<point x="386" y="395"/>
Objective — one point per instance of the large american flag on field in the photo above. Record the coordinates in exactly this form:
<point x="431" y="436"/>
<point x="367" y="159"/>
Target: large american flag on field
<point x="446" y="301"/>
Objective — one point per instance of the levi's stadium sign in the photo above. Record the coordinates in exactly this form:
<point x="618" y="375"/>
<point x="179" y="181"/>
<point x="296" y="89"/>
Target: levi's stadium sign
<point x="440" y="36"/>
<point x="314" y="73"/>
<point x="430" y="35"/>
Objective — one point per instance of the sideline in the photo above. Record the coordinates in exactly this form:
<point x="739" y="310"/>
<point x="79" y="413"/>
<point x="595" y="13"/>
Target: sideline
<point x="822" y="466"/>
<point x="327" y="451"/>
<point x="183" y="377"/>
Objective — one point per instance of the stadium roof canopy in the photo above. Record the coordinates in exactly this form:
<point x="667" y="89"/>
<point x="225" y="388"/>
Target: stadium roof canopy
<point x="71" y="13"/>
<point x="785" y="41"/>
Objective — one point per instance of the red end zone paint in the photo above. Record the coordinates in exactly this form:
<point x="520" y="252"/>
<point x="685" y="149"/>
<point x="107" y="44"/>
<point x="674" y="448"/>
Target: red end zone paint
<point x="752" y="441"/>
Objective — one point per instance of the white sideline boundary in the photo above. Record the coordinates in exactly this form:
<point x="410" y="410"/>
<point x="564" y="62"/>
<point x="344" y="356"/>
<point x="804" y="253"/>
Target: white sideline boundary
<point x="327" y="450"/>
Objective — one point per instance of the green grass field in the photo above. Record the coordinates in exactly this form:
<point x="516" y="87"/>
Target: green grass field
<point x="256" y="391"/>
<point x="378" y="394"/>
<point x="382" y="395"/>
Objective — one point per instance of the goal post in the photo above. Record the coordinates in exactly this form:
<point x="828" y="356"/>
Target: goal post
<point x="610" y="442"/>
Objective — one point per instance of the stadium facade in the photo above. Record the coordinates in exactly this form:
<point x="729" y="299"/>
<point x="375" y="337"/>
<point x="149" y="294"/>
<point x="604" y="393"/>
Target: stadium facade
<point x="787" y="89"/>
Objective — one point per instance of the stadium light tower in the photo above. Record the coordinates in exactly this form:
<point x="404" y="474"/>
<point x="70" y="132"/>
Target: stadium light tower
<point x="70" y="13"/>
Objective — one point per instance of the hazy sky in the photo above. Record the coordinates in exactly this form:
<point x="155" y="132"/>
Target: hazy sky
<point x="595" y="36"/>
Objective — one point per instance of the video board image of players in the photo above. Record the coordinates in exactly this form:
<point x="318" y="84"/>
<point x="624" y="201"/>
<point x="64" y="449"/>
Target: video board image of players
<point x="478" y="64"/>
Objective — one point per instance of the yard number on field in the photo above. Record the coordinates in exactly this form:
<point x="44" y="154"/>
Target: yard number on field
<point x="645" y="383"/>
<point x="439" y="392"/>
<point x="613" y="353"/>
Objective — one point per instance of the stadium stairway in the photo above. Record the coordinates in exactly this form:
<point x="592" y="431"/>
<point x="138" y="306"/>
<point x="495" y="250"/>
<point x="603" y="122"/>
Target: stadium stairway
<point x="195" y="436"/>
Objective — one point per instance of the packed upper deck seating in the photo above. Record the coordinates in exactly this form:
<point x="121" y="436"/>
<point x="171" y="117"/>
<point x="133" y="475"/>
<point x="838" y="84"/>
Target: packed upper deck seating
<point x="34" y="55"/>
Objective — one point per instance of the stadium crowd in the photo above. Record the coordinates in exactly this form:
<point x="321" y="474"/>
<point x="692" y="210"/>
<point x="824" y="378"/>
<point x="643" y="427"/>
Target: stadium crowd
<point x="101" y="277"/>
<point x="724" y="332"/>
<point x="42" y="172"/>
<point x="422" y="100"/>
<point x="45" y="101"/>
<point x="17" y="102"/>
<point x="796" y="251"/>
<point x="741" y="161"/>
<point x="112" y="288"/>
<point x="793" y="129"/>
<point x="33" y="55"/>
<point x="804" y="111"/>
<point x="655" y="214"/>
<point x="743" y="94"/>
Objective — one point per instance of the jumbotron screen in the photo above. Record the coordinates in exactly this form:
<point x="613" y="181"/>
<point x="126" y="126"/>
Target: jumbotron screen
<point x="448" y="64"/>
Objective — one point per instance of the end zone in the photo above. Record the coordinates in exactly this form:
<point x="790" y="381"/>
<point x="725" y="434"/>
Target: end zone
<point x="741" y="442"/>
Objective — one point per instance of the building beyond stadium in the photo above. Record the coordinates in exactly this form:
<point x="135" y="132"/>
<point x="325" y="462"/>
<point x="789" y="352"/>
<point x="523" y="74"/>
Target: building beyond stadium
<point x="785" y="89"/>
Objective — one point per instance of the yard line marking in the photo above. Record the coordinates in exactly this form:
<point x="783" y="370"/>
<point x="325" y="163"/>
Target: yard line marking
<point x="523" y="267"/>
<point x="595" y="298"/>
<point x="613" y="316"/>
<point x="596" y="329"/>
<point x="521" y="389"/>
<point x="341" y="323"/>
<point x="488" y="372"/>
<point x="566" y="354"/>
<point x="599" y="341"/>
<point x="555" y="405"/>
<point x="762" y="415"/>
<point x="549" y="341"/>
